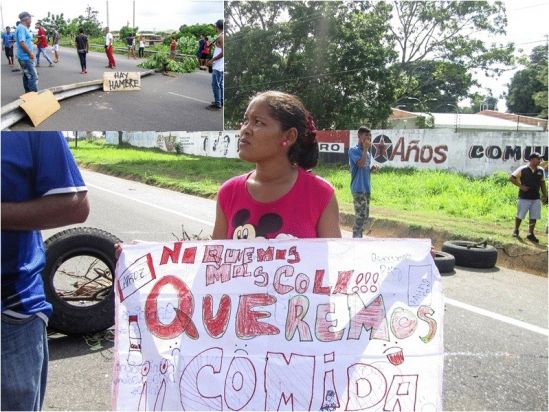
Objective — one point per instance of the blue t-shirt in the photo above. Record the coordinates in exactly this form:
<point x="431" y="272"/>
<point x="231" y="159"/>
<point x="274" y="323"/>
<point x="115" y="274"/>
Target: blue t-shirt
<point x="360" y="176"/>
<point x="22" y="33"/>
<point x="34" y="164"/>
<point x="7" y="39"/>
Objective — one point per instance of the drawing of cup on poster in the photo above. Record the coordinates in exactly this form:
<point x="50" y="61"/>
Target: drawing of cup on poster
<point x="310" y="324"/>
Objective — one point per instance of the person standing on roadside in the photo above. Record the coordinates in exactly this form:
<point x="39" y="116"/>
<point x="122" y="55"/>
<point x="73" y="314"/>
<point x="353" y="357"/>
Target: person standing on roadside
<point x="8" y="40"/>
<point x="82" y="47"/>
<point x="141" y="52"/>
<point x="130" y="41"/>
<point x="530" y="180"/>
<point x="42" y="45"/>
<point x="173" y="48"/>
<point x="360" y="163"/>
<point x="108" y="49"/>
<point x="42" y="188"/>
<point x="217" y="64"/>
<point x="55" y="43"/>
<point x="25" y="56"/>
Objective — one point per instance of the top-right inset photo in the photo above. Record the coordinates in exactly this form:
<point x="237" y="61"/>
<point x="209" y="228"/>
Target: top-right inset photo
<point x="379" y="63"/>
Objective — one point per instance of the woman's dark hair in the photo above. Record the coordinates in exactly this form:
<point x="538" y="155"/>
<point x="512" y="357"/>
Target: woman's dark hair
<point x="290" y="112"/>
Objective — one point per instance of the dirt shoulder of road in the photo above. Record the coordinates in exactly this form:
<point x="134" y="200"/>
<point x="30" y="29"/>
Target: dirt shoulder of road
<point x="526" y="258"/>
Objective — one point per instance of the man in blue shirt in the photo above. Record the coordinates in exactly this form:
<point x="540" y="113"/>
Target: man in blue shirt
<point x="41" y="189"/>
<point x="360" y="162"/>
<point x="8" y="39"/>
<point x="25" y="56"/>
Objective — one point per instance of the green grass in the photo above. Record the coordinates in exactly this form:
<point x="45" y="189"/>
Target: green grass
<point x="471" y="208"/>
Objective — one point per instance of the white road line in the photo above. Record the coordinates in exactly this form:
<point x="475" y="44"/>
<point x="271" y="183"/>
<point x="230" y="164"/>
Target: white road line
<point x="188" y="97"/>
<point x="165" y="209"/>
<point x="497" y="316"/>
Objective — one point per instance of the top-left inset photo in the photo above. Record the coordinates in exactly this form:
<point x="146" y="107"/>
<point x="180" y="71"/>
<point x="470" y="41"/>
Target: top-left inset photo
<point x="112" y="65"/>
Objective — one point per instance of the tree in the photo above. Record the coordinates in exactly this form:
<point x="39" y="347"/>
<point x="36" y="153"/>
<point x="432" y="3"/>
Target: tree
<point x="57" y="20"/>
<point x="333" y="55"/>
<point x="125" y="31"/>
<point x="446" y="32"/>
<point x="528" y="88"/>
<point x="433" y="85"/>
<point x="89" y="22"/>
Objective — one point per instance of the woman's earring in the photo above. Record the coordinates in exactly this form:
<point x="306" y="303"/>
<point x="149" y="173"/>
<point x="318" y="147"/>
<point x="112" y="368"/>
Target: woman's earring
<point x="284" y="143"/>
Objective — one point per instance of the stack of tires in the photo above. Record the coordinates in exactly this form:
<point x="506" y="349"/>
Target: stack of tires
<point x="467" y="254"/>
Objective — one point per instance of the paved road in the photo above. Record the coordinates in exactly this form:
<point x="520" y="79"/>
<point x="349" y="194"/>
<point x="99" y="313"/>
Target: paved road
<point x="495" y="328"/>
<point x="165" y="103"/>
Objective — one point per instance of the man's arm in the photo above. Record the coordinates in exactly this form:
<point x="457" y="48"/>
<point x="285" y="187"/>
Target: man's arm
<point x="46" y="212"/>
<point x="363" y="159"/>
<point x="515" y="179"/>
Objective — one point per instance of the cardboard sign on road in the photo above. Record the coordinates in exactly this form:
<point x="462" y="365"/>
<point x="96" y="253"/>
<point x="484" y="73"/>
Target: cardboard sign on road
<point x="121" y="81"/>
<point x="39" y="106"/>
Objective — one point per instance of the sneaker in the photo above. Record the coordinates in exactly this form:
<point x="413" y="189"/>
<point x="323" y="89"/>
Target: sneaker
<point x="213" y="107"/>
<point x="51" y="65"/>
<point x="515" y="233"/>
<point x="532" y="238"/>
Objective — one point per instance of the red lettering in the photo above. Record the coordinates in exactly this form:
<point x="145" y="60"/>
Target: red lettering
<point x="399" y="149"/>
<point x="342" y="281"/>
<point x="265" y="255"/>
<point x="371" y="317"/>
<point x="247" y="325"/>
<point x="286" y="271"/>
<point x="281" y="254"/>
<point x="216" y="325"/>
<point x="293" y="252"/>
<point x="167" y="253"/>
<point x="212" y="254"/>
<point x="298" y="306"/>
<point x="216" y="274"/>
<point x="440" y="154"/>
<point x="189" y="255"/>
<point x="184" y="311"/>
<point x="424" y="313"/>
<point x="318" y="288"/>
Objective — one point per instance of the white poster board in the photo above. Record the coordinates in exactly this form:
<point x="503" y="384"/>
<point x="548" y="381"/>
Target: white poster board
<point x="278" y="325"/>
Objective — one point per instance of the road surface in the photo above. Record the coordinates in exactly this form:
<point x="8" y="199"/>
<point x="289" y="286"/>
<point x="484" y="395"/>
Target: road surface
<point x="495" y="326"/>
<point x="164" y="103"/>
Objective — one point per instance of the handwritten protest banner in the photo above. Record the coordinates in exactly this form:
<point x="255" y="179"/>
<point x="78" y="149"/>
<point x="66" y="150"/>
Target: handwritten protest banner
<point x="278" y="325"/>
<point x="121" y="81"/>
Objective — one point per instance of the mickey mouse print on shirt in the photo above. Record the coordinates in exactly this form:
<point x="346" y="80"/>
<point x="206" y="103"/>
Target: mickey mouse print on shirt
<point x="267" y="224"/>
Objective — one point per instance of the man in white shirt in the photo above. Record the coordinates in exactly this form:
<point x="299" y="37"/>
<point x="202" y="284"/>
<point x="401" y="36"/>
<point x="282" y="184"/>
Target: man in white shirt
<point x="108" y="48"/>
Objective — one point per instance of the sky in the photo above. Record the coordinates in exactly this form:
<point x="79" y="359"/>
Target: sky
<point x="149" y="14"/>
<point x="526" y="27"/>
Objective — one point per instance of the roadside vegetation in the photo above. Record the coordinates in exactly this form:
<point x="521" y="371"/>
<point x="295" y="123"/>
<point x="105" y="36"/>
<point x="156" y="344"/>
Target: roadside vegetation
<point x="467" y="207"/>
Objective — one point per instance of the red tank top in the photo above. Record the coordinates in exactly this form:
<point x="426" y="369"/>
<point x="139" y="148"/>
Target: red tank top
<point x="296" y="213"/>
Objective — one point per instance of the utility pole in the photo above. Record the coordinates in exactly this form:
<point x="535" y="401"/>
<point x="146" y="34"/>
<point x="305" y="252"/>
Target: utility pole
<point x="133" y="23"/>
<point x="108" y="25"/>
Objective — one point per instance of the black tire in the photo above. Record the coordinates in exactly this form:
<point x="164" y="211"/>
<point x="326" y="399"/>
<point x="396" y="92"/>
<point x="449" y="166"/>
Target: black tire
<point x="83" y="241"/>
<point x="472" y="254"/>
<point x="444" y="262"/>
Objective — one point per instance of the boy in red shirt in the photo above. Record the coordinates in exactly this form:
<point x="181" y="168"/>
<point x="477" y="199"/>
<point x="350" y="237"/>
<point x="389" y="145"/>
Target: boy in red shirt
<point x="42" y="44"/>
<point x="173" y="48"/>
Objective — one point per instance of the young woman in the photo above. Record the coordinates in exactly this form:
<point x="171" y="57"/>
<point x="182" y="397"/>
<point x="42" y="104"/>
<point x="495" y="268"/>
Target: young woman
<point x="280" y="197"/>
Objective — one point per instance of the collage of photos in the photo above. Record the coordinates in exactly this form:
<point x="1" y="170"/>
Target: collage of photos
<point x="206" y="202"/>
